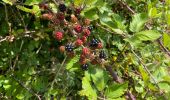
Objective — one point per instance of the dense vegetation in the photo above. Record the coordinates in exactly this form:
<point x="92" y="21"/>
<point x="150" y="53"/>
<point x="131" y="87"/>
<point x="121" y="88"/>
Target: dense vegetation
<point x="85" y="49"/>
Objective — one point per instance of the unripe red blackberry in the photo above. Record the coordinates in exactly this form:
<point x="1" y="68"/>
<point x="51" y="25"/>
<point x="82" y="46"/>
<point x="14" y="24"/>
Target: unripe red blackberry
<point x="79" y="42"/>
<point x="86" y="32"/>
<point x="85" y="51"/>
<point x="82" y="60"/>
<point x="47" y="16"/>
<point x="84" y="39"/>
<point x="58" y="36"/>
<point x="74" y="18"/>
<point x="77" y="11"/>
<point x="62" y="48"/>
<point x="78" y="28"/>
<point x="43" y="5"/>
<point x="84" y="66"/>
<point x="62" y="7"/>
<point x="60" y="16"/>
<point x="94" y="62"/>
<point x="99" y="46"/>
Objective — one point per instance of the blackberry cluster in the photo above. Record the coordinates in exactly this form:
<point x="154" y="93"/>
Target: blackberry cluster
<point x="102" y="54"/>
<point x="84" y="67"/>
<point x="62" y="7"/>
<point x="94" y="42"/>
<point x="69" y="47"/>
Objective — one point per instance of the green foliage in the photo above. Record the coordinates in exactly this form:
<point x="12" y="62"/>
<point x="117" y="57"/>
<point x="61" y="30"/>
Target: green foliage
<point x="138" y="21"/>
<point x="116" y="90"/>
<point x="33" y="67"/>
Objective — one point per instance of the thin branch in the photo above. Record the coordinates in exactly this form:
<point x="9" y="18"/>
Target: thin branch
<point x="25" y="87"/>
<point x="128" y="7"/>
<point x="146" y="69"/>
<point x="56" y="75"/>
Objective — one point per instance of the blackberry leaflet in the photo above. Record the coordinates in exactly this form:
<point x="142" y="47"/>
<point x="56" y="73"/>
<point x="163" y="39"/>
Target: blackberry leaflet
<point x="62" y="7"/>
<point x="84" y="66"/>
<point x="69" y="47"/>
<point x="102" y="54"/>
<point x="94" y="42"/>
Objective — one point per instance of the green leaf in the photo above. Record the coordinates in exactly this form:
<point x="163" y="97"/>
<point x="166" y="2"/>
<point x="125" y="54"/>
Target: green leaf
<point x="35" y="9"/>
<point x="138" y="22"/>
<point x="109" y="23"/>
<point x="166" y="40"/>
<point x="99" y="77"/>
<point x="145" y="76"/>
<point x="148" y="35"/>
<point x="90" y="13"/>
<point x="20" y="96"/>
<point x="88" y="90"/>
<point x="32" y="2"/>
<point x="9" y="1"/>
<point x="152" y="12"/>
<point x="72" y="61"/>
<point x="164" y="86"/>
<point x="116" y="90"/>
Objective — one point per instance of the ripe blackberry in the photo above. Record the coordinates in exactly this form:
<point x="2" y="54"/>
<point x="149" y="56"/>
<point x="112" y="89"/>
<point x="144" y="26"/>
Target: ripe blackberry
<point x="90" y="27"/>
<point x="62" y="7"/>
<point x="69" y="47"/>
<point x="84" y="67"/>
<point x="69" y="11"/>
<point x="102" y="54"/>
<point x="68" y="17"/>
<point x="94" y="42"/>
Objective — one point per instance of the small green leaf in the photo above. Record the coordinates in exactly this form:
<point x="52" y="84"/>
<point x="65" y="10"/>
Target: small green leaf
<point x="72" y="61"/>
<point x="153" y="12"/>
<point x="116" y="90"/>
<point x="138" y="22"/>
<point x="99" y="77"/>
<point x="88" y="90"/>
<point x="145" y="76"/>
<point x="90" y="13"/>
<point x="166" y="40"/>
<point x="148" y="35"/>
<point x="20" y="96"/>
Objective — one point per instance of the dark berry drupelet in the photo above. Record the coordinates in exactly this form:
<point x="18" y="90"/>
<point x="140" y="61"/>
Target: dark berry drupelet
<point x="94" y="42"/>
<point x="69" y="47"/>
<point x="62" y="7"/>
<point x="69" y="11"/>
<point x="90" y="27"/>
<point x="102" y="54"/>
<point x="84" y="67"/>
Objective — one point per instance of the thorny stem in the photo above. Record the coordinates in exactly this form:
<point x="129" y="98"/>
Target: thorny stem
<point x="146" y="69"/>
<point x="28" y="89"/>
<point x="62" y="64"/>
